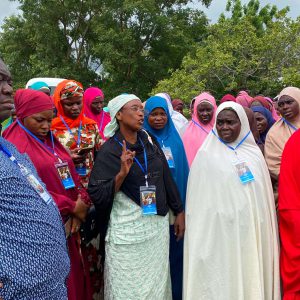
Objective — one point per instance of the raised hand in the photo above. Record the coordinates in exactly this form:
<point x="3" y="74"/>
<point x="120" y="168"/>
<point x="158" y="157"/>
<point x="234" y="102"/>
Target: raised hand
<point x="126" y="159"/>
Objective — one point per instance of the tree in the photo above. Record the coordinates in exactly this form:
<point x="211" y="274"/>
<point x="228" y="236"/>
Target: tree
<point x="121" y="45"/>
<point x="238" y="55"/>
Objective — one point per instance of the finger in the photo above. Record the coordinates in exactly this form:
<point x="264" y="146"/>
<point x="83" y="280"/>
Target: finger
<point x="124" y="148"/>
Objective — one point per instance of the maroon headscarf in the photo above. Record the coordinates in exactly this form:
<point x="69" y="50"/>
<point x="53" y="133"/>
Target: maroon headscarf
<point x="227" y="97"/>
<point x="263" y="101"/>
<point x="27" y="103"/>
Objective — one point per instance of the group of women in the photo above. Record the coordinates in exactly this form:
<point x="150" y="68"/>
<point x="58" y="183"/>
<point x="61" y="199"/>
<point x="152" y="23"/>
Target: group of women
<point x="185" y="209"/>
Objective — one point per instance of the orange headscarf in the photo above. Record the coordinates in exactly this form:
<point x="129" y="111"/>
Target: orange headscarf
<point x="57" y="97"/>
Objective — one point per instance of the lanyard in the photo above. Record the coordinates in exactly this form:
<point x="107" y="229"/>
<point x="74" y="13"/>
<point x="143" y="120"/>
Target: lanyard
<point x="161" y="139"/>
<point x="197" y="124"/>
<point x="70" y="131"/>
<point x="144" y="170"/>
<point x="8" y="154"/>
<point x="52" y="150"/>
<point x="230" y="147"/>
<point x="289" y="124"/>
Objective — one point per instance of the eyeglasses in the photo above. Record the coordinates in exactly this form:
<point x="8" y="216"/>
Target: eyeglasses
<point x="135" y="109"/>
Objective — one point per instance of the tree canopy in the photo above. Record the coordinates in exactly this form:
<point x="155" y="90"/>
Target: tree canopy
<point x="120" y="45"/>
<point x="254" y="49"/>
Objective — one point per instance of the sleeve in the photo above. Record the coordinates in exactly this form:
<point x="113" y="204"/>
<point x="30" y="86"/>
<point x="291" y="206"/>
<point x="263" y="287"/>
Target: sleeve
<point x="64" y="203"/>
<point x="173" y="196"/>
<point x="98" y="140"/>
<point x="273" y="153"/>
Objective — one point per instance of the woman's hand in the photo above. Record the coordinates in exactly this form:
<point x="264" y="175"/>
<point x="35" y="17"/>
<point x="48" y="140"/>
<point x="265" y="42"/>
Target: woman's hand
<point x="179" y="226"/>
<point x="76" y="223"/>
<point x="76" y="157"/>
<point x="126" y="163"/>
<point x="126" y="160"/>
<point x="81" y="209"/>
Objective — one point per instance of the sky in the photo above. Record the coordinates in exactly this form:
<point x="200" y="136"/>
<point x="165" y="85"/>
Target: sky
<point x="8" y="8"/>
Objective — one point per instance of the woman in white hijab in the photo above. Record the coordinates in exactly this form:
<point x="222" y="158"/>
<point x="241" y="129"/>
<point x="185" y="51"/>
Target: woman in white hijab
<point x="231" y="240"/>
<point x="178" y="119"/>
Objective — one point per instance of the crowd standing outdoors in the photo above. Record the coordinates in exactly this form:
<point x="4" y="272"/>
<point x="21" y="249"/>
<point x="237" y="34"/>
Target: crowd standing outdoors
<point x="138" y="202"/>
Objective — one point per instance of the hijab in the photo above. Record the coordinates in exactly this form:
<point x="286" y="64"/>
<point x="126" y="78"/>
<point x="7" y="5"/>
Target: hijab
<point x="114" y="106"/>
<point x="273" y="110"/>
<point x="103" y="118"/>
<point x="27" y="103"/>
<point x="279" y="134"/>
<point x="225" y="217"/>
<point x="40" y="86"/>
<point x="227" y="97"/>
<point x="64" y="90"/>
<point x="197" y="132"/>
<point x="169" y="137"/>
<point x="178" y="119"/>
<point x="176" y="102"/>
<point x="267" y="114"/>
<point x="243" y="99"/>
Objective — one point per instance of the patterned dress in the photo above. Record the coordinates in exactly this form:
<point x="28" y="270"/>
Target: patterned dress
<point x="90" y="138"/>
<point x="140" y="244"/>
<point x="34" y="261"/>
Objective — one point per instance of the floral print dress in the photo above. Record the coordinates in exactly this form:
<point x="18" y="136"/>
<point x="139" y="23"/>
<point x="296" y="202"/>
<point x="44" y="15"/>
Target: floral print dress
<point x="89" y="138"/>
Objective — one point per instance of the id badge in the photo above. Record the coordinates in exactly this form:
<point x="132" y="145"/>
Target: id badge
<point x="243" y="172"/>
<point x="65" y="175"/>
<point x="34" y="182"/>
<point x="169" y="156"/>
<point x="81" y="170"/>
<point x="148" y="200"/>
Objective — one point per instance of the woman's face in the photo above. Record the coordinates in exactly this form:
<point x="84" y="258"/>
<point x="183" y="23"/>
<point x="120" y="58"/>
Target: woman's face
<point x="131" y="115"/>
<point x="97" y="105"/>
<point x="261" y="122"/>
<point x="228" y="125"/>
<point x="72" y="107"/>
<point x="179" y="108"/>
<point x="288" y="107"/>
<point x="39" y="124"/>
<point x="205" y="112"/>
<point x="158" y="118"/>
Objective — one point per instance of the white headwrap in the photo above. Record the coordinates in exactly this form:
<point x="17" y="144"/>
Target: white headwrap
<point x="178" y="119"/>
<point x="114" y="106"/>
<point x="231" y="229"/>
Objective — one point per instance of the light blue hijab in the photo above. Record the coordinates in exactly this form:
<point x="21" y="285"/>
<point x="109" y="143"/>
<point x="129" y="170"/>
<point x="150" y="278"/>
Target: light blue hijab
<point x="169" y="137"/>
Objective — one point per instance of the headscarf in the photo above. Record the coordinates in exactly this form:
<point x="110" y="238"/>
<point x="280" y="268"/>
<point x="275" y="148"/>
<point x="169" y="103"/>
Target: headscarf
<point x="114" y="106"/>
<point x="243" y="99"/>
<point x="194" y="136"/>
<point x="267" y="114"/>
<point x="169" y="137"/>
<point x="176" y="102"/>
<point x="225" y="217"/>
<point x="262" y="100"/>
<point x="273" y="110"/>
<point x="103" y="118"/>
<point x="40" y="86"/>
<point x="64" y="90"/>
<point x="27" y="103"/>
<point x="279" y="134"/>
<point x="178" y="119"/>
<point x="227" y="97"/>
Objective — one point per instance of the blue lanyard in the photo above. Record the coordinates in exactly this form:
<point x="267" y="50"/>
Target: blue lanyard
<point x="70" y="131"/>
<point x="52" y="150"/>
<point x="230" y="147"/>
<point x="8" y="154"/>
<point x="289" y="124"/>
<point x="144" y="170"/>
<point x="161" y="139"/>
<point x="197" y="124"/>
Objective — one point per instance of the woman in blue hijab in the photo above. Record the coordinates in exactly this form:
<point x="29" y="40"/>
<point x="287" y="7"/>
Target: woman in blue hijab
<point x="159" y="124"/>
<point x="264" y="121"/>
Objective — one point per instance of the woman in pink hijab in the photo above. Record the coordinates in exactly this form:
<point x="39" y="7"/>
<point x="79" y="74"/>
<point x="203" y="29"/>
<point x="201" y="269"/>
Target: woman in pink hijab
<point x="94" y="99"/>
<point x="202" y="122"/>
<point x="243" y="99"/>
